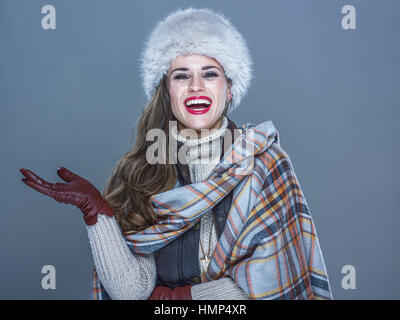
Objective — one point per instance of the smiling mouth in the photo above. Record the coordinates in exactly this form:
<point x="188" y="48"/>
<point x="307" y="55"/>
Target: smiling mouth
<point x="198" y="105"/>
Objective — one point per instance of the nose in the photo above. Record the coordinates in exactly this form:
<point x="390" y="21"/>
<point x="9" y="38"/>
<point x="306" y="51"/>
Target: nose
<point x="196" y="84"/>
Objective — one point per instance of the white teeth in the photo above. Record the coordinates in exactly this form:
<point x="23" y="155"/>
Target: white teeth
<point x="198" y="101"/>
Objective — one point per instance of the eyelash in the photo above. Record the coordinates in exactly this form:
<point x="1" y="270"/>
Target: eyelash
<point x="207" y="75"/>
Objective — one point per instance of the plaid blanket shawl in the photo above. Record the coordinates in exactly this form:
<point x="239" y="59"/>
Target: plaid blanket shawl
<point x="269" y="245"/>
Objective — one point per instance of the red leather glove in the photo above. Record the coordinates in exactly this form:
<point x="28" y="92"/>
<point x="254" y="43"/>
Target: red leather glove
<point x="77" y="191"/>
<point x="165" y="293"/>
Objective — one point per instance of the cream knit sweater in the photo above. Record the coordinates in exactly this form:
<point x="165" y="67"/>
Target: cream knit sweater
<point x="130" y="276"/>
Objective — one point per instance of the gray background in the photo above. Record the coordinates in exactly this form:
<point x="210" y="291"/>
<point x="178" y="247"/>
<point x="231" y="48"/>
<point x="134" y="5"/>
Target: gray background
<point x="71" y="96"/>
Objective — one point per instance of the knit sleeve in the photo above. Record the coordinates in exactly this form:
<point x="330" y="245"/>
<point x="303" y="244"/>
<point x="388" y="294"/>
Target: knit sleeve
<point x="124" y="275"/>
<point x="221" y="289"/>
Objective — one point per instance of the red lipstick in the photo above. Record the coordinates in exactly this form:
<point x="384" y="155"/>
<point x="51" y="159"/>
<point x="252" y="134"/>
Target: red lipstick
<point x="197" y="111"/>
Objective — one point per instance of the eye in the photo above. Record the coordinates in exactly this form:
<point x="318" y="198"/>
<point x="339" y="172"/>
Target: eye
<point x="210" y="74"/>
<point x="181" y="76"/>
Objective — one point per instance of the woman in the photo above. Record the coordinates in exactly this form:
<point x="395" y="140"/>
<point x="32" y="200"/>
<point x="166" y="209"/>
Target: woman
<point x="223" y="217"/>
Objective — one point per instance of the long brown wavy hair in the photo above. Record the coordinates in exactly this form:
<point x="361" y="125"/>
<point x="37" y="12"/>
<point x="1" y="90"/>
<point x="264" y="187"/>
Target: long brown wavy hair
<point x="133" y="180"/>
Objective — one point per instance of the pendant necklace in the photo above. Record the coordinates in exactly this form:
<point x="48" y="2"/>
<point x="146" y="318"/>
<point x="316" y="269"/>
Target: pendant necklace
<point x="206" y="257"/>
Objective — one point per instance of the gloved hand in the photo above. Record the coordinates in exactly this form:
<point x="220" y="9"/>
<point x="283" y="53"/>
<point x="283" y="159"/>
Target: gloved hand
<point x="165" y="293"/>
<point x="77" y="191"/>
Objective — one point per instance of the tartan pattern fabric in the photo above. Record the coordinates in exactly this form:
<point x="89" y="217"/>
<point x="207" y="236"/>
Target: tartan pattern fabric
<point x="269" y="245"/>
<point x="98" y="291"/>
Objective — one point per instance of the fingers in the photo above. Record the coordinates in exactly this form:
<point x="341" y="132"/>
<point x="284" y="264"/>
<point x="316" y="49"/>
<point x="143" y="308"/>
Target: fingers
<point x="46" y="191"/>
<point x="62" y="192"/>
<point x="35" y="178"/>
<point x="69" y="176"/>
<point x="37" y="183"/>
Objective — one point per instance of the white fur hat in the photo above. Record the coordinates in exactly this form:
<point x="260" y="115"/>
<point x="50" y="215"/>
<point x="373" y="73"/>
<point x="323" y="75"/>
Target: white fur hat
<point x="197" y="31"/>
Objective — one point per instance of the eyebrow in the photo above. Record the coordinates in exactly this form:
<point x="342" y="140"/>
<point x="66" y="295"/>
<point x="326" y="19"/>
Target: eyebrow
<point x="203" y="68"/>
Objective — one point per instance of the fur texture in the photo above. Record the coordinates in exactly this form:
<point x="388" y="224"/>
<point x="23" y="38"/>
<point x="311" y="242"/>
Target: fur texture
<point x="197" y="31"/>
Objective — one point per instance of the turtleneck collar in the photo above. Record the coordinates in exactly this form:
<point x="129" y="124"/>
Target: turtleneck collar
<point x="215" y="134"/>
<point x="202" y="154"/>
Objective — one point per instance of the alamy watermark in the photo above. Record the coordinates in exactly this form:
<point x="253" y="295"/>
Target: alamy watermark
<point x="349" y="280"/>
<point x="49" y="20"/>
<point x="240" y="157"/>
<point x="49" y="280"/>
<point x="349" y="20"/>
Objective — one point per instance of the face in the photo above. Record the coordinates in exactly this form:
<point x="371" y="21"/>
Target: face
<point x="198" y="91"/>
